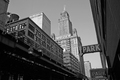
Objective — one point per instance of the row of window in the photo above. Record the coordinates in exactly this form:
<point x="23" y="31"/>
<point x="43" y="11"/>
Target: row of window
<point x="41" y="39"/>
<point x="71" y="66"/>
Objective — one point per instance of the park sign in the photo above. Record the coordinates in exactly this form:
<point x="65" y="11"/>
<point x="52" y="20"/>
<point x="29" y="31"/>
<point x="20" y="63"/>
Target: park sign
<point x="91" y="48"/>
<point x="98" y="73"/>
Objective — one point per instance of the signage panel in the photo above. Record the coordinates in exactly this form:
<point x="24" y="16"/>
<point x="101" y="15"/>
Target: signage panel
<point x="91" y="48"/>
<point x="98" y="73"/>
<point x="16" y="27"/>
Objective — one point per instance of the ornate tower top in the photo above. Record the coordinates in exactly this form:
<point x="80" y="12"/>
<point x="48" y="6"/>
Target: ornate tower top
<point x="65" y="25"/>
<point x="64" y="14"/>
<point x="64" y="7"/>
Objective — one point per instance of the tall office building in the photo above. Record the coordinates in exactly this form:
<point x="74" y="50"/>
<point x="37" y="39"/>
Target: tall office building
<point x="43" y="22"/>
<point x="69" y="40"/>
<point x="87" y="65"/>
<point x="65" y="25"/>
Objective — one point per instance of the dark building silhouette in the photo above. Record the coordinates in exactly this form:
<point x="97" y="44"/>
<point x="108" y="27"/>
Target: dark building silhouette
<point x="106" y="15"/>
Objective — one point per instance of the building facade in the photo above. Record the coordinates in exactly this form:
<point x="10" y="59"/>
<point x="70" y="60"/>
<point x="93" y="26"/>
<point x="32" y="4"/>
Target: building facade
<point x="87" y="65"/>
<point x="45" y="56"/>
<point x="69" y="40"/>
<point x="99" y="32"/>
<point x="106" y="15"/>
<point x="21" y="35"/>
<point x="43" y="22"/>
<point x="71" y="62"/>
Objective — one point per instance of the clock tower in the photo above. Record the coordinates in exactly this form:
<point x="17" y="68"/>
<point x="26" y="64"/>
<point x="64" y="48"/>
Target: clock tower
<point x="64" y="23"/>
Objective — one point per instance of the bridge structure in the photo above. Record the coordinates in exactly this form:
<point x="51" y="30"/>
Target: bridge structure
<point x="19" y="61"/>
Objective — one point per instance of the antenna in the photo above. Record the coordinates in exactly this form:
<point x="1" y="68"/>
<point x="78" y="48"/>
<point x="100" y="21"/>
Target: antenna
<point x="64" y="7"/>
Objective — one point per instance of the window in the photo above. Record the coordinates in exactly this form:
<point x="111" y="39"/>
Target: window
<point x="38" y="33"/>
<point x="31" y="28"/>
<point x="43" y="37"/>
<point x="48" y="41"/>
<point x="37" y="46"/>
<point x="21" y="33"/>
<point x="30" y="34"/>
<point x="52" y="47"/>
<point x="30" y="42"/>
<point x="38" y="40"/>
<point x="43" y="43"/>
<point x="48" y="47"/>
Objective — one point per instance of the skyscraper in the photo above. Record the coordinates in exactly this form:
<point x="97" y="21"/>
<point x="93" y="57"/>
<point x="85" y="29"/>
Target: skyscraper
<point x="69" y="40"/>
<point x="43" y="22"/>
<point x="65" y="25"/>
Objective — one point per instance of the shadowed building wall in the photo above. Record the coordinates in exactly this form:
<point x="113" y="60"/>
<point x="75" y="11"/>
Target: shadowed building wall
<point x="106" y="15"/>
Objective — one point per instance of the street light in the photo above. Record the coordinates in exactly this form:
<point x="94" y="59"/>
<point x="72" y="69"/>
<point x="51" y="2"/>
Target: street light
<point x="39" y="50"/>
<point x="30" y="50"/>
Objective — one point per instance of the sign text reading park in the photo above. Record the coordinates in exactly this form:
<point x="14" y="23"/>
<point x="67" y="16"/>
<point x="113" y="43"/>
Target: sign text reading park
<point x="91" y="48"/>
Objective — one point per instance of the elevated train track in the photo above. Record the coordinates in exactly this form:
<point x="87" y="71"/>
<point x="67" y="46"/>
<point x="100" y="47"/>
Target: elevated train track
<point x="28" y="51"/>
<point x="15" y="58"/>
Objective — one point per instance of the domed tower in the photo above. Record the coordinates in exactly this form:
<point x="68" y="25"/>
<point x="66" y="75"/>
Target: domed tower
<point x="11" y="17"/>
<point x="64" y="23"/>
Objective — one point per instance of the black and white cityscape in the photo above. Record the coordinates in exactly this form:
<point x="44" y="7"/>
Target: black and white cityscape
<point x="31" y="51"/>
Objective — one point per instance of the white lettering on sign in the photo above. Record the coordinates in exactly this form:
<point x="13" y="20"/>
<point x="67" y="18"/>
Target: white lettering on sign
<point x="11" y="29"/>
<point x="98" y="73"/>
<point x="91" y="48"/>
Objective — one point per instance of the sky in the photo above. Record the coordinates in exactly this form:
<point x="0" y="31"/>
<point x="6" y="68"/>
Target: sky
<point x="80" y="16"/>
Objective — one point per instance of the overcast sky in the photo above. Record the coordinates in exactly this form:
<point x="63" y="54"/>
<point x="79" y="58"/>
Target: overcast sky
<point x="80" y="16"/>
